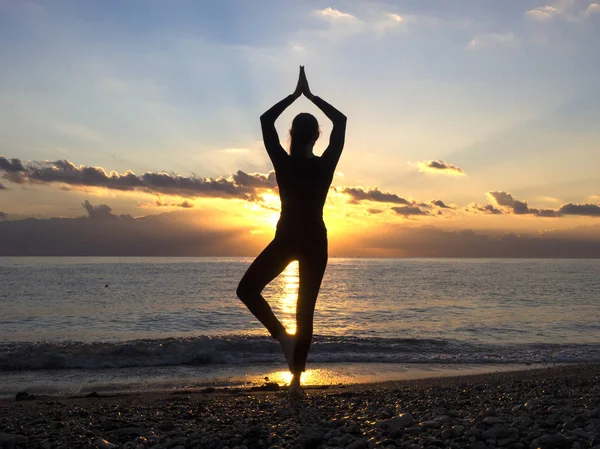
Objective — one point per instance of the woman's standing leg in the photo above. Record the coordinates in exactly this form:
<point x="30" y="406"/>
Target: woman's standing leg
<point x="312" y="263"/>
<point x="267" y="266"/>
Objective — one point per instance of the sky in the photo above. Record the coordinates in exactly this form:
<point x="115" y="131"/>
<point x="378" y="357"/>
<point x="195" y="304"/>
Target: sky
<point x="472" y="125"/>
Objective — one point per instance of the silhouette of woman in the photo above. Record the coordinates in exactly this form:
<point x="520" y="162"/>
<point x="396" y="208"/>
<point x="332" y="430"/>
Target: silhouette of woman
<point x="304" y="181"/>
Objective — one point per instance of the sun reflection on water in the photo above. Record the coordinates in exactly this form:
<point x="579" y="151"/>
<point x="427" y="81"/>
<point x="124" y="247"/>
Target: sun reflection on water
<point x="289" y="298"/>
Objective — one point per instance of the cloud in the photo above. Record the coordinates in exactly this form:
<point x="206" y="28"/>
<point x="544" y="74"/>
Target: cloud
<point x="573" y="11"/>
<point x="409" y="210"/>
<point x="241" y="185"/>
<point x="183" y="204"/>
<point x="13" y="165"/>
<point x="542" y="13"/>
<point x="439" y="167"/>
<point x="374" y="211"/>
<point x="517" y="207"/>
<point x="594" y="8"/>
<point x="395" y="17"/>
<point x="359" y="194"/>
<point x="428" y="241"/>
<point x="334" y="14"/>
<point x="441" y="204"/>
<point x="100" y="212"/>
<point x="507" y="200"/>
<point x="486" y="40"/>
<point x="180" y="233"/>
<point x="591" y="210"/>
<point x="487" y="209"/>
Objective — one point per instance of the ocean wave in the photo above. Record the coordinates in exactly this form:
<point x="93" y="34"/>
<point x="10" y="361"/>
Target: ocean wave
<point x="243" y="349"/>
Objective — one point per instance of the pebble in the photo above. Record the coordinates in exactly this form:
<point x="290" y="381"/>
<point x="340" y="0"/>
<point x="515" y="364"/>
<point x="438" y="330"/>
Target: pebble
<point x="403" y="420"/>
<point x="561" y="413"/>
<point x="492" y="420"/>
<point x="166" y="425"/>
<point x="101" y="443"/>
<point x="432" y="424"/>
<point x="358" y="444"/>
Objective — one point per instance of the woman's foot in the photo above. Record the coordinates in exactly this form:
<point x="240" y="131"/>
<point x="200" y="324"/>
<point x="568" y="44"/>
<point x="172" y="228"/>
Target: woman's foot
<point x="295" y="390"/>
<point x="288" y="344"/>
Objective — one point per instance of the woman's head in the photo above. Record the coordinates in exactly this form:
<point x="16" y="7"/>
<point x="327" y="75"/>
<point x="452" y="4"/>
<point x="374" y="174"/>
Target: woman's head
<point x="305" y="132"/>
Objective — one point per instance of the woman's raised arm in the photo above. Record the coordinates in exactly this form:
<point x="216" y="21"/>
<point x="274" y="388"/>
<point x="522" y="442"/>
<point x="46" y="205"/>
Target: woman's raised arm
<point x="267" y="123"/>
<point x="338" y="134"/>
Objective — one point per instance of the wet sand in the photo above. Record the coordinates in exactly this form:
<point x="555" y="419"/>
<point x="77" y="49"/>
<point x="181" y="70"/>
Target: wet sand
<point x="548" y="408"/>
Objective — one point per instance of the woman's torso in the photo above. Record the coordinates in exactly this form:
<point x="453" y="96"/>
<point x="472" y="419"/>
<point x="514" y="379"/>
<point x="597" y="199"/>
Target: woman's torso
<point x="303" y="187"/>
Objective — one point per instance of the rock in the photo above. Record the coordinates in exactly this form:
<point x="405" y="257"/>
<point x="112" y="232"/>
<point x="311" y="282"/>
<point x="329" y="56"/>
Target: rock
<point x="358" y="444"/>
<point x="447" y="434"/>
<point x="444" y="419"/>
<point x="101" y="443"/>
<point x="517" y="445"/>
<point x="478" y="445"/>
<point x="496" y="433"/>
<point x="208" y="390"/>
<point x="458" y="430"/>
<point x="492" y="420"/>
<point x="430" y="424"/>
<point x="7" y="441"/>
<point x="24" y="396"/>
<point x="403" y="420"/>
<point x="128" y="432"/>
<point x="309" y="440"/>
<point x="269" y="386"/>
<point x="166" y="425"/>
<point x="346" y="440"/>
<point x="506" y="441"/>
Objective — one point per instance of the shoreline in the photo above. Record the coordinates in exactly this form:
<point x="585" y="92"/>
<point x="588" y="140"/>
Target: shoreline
<point x="72" y="382"/>
<point x="538" y="407"/>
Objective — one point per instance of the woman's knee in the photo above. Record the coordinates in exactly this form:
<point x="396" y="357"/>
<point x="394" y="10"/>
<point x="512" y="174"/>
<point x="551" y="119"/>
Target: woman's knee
<point x="245" y="291"/>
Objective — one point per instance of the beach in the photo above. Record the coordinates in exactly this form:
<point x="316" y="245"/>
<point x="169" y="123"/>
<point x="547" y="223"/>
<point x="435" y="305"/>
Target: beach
<point x="556" y="407"/>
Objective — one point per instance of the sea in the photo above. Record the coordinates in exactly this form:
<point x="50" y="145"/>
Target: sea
<point x="75" y="325"/>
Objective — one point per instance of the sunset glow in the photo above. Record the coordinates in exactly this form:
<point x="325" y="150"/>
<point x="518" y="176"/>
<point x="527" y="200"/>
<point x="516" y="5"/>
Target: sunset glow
<point x="451" y="129"/>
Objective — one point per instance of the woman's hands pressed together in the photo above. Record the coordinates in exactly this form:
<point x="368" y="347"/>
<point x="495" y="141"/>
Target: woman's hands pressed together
<point x="302" y="87"/>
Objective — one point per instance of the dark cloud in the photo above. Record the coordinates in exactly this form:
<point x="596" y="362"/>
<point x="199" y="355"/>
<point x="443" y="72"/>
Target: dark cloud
<point x="487" y="209"/>
<point x="184" y="204"/>
<point x="440" y="167"/>
<point x="408" y="210"/>
<point x="507" y="200"/>
<point x="547" y="213"/>
<point x="241" y="185"/>
<point x="256" y="180"/>
<point x="374" y="211"/>
<point x="101" y="233"/>
<point x="359" y="194"/>
<point x="100" y="212"/>
<point x="441" y="204"/>
<point x="13" y="165"/>
<point x="517" y="207"/>
<point x="591" y="210"/>
<point x="429" y="241"/>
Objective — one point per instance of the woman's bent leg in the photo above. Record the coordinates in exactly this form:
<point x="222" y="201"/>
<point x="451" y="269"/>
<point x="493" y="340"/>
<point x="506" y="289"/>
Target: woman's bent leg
<point x="312" y="267"/>
<point x="267" y="266"/>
